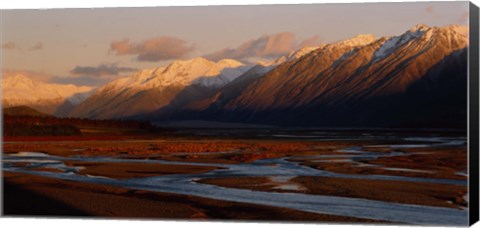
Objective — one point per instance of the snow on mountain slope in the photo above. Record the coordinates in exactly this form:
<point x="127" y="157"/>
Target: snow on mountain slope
<point x="180" y="73"/>
<point x="263" y="67"/>
<point x="359" y="40"/>
<point x="148" y="90"/>
<point x="393" y="43"/>
<point x="417" y="78"/>
<point x="294" y="55"/>
<point x="20" y="90"/>
<point x="362" y="81"/>
<point x="236" y="86"/>
<point x="326" y="83"/>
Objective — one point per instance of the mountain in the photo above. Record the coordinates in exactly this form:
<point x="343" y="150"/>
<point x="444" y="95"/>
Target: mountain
<point x="22" y="111"/>
<point x="18" y="90"/>
<point x="416" y="79"/>
<point x="26" y="121"/>
<point x="287" y="58"/>
<point x="149" y="90"/>
<point x="225" y="93"/>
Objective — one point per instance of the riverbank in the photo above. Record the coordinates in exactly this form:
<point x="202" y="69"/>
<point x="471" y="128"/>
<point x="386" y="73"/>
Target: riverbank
<point x="30" y="195"/>
<point x="398" y="179"/>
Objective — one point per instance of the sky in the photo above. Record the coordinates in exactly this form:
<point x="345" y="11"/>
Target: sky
<point x="94" y="46"/>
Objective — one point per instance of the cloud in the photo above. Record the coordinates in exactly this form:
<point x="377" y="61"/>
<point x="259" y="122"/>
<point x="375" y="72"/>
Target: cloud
<point x="464" y="17"/>
<point x="266" y="46"/>
<point x="153" y="50"/>
<point x="10" y="46"/>
<point x="37" y="46"/>
<point x="14" y="46"/>
<point x="429" y="9"/>
<point x="82" y="80"/>
<point x="101" y="70"/>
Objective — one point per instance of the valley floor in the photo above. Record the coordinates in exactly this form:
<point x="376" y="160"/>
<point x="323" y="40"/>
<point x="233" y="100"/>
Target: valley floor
<point x="377" y="177"/>
<point x="30" y="195"/>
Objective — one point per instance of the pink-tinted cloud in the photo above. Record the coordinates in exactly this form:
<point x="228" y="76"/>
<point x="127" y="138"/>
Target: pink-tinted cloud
<point x="266" y="46"/>
<point x="464" y="17"/>
<point x="14" y="46"/>
<point x="101" y="70"/>
<point x="10" y="46"/>
<point x="37" y="46"/>
<point x="82" y="80"/>
<point x="153" y="50"/>
<point x="429" y="9"/>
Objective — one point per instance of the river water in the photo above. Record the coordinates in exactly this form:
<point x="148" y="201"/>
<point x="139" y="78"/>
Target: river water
<point x="279" y="170"/>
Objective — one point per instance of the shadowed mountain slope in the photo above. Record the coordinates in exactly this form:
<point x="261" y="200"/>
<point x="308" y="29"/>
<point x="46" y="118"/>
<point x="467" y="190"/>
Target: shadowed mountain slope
<point x="414" y="79"/>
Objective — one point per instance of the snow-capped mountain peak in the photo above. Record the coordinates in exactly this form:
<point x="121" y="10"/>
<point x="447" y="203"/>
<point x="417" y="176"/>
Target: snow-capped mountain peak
<point x="263" y="67"/>
<point x="193" y="84"/>
<point x="230" y="63"/>
<point x="359" y="40"/>
<point x="20" y="90"/>
<point x="422" y="33"/>
<point x="295" y="55"/>
<point x="419" y="27"/>
<point x="461" y="30"/>
<point x="201" y="71"/>
<point x="181" y="73"/>
<point x="148" y="90"/>
<point x="17" y="81"/>
<point x="19" y="87"/>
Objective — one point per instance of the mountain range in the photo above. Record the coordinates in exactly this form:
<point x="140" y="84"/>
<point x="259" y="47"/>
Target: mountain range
<point x="58" y="99"/>
<point x="149" y="90"/>
<point x="415" y="79"/>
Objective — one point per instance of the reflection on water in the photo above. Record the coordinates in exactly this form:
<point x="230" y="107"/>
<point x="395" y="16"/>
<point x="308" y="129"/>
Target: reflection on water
<point x="285" y="183"/>
<point x="31" y="154"/>
<point x="406" y="170"/>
